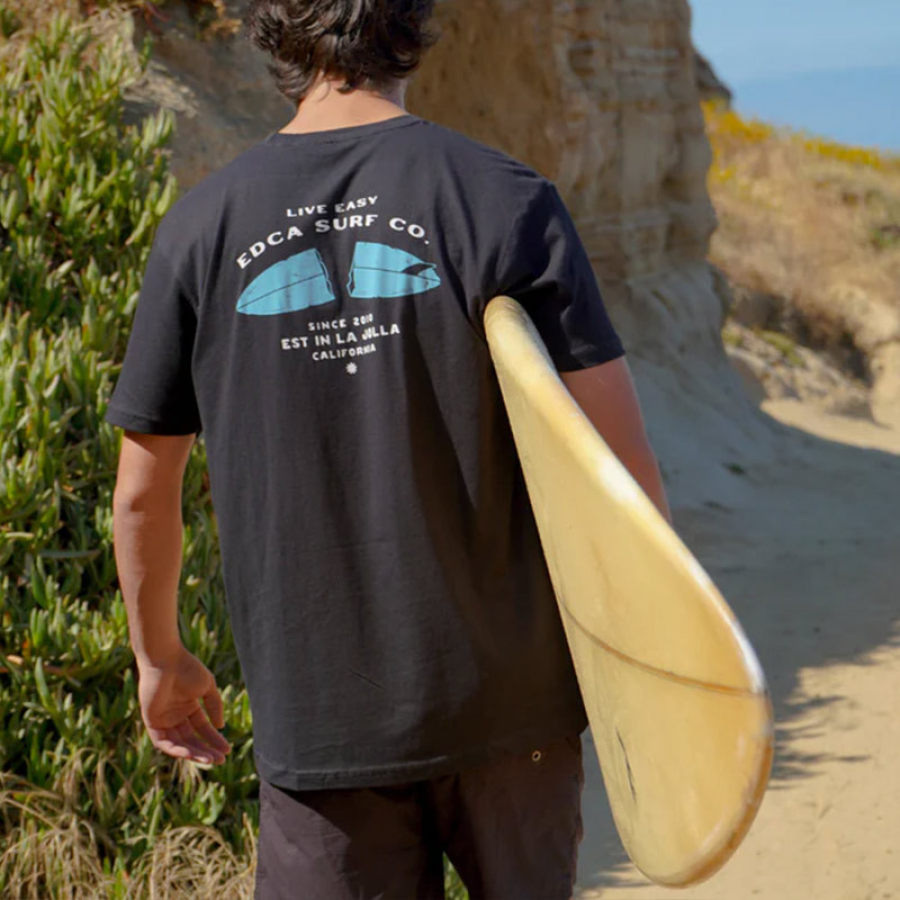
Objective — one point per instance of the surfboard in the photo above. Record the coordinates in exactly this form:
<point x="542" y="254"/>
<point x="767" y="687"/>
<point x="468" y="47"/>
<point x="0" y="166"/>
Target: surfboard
<point x="677" y="702"/>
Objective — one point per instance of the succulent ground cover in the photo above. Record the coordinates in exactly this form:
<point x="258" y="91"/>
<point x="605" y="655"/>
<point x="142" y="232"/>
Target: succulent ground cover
<point x="89" y="807"/>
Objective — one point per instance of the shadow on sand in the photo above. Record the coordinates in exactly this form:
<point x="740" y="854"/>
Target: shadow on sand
<point x="809" y="567"/>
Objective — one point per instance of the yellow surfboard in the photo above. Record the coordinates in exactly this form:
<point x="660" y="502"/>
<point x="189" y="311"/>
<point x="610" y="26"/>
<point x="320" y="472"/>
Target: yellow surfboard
<point x="676" y="699"/>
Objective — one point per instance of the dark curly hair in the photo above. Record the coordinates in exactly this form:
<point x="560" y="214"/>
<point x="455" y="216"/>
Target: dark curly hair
<point x="365" y="42"/>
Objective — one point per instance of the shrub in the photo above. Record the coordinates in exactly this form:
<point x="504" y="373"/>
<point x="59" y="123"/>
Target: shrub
<point x="730" y="132"/>
<point x="81" y="193"/>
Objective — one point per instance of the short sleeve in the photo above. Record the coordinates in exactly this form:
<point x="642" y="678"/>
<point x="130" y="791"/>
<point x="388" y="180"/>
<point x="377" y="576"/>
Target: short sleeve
<point x="545" y="267"/>
<point x="155" y="393"/>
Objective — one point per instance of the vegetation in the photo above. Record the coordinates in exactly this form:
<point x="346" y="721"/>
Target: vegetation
<point x="89" y="808"/>
<point x="814" y="224"/>
<point x="211" y="16"/>
<point x="732" y="132"/>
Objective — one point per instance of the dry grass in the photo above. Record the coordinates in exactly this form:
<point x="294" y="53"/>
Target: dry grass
<point x="811" y="221"/>
<point x="189" y="862"/>
<point x="18" y="21"/>
<point x="50" y="850"/>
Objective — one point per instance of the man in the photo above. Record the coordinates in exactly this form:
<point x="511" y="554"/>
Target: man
<point x="315" y="308"/>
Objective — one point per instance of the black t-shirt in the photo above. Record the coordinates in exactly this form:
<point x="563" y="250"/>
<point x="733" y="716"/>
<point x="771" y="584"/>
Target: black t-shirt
<point x="315" y="309"/>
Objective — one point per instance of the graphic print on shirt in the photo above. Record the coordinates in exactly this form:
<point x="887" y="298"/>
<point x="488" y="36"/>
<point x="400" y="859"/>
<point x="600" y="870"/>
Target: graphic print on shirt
<point x="298" y="282"/>
<point x="375" y="271"/>
<point x="382" y="271"/>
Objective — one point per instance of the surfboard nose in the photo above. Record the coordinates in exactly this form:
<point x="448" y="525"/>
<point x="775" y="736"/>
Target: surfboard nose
<point x="379" y="270"/>
<point x="295" y="283"/>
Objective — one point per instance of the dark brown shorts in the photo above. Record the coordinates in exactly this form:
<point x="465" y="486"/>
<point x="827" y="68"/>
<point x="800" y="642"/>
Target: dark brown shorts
<point x="511" y="827"/>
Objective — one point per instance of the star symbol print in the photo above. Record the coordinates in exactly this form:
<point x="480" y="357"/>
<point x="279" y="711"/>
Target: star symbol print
<point x="352" y="368"/>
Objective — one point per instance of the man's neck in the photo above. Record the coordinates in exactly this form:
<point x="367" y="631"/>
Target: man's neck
<point x="325" y="108"/>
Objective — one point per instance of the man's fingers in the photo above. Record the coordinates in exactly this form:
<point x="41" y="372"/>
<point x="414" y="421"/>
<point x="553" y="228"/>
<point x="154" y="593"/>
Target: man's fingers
<point x="170" y="747"/>
<point x="202" y="751"/>
<point x="212" y="700"/>
<point x="181" y="741"/>
<point x="207" y="732"/>
<point x="195" y="737"/>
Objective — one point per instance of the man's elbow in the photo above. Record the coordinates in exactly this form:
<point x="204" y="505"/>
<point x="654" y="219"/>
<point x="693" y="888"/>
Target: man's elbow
<point x="643" y="466"/>
<point x="148" y="501"/>
<point x="637" y="456"/>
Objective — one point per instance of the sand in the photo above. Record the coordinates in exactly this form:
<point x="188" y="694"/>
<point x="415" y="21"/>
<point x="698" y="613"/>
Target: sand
<point x="810" y="562"/>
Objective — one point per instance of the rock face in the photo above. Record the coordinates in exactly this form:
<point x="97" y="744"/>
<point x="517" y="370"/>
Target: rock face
<point x="708" y="83"/>
<point x="602" y="97"/>
<point x="218" y="88"/>
<point x="773" y="367"/>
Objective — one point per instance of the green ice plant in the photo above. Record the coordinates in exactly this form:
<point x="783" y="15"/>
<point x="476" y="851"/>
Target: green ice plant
<point x="82" y="189"/>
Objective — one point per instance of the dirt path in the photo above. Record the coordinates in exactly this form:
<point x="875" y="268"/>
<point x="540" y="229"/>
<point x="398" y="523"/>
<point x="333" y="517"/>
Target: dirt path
<point x="811" y="566"/>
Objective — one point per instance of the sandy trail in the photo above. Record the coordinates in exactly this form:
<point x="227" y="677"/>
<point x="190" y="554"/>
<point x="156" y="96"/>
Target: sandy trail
<point x="811" y="566"/>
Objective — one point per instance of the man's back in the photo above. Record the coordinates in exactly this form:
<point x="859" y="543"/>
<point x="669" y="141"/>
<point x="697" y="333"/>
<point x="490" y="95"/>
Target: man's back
<point x="315" y="307"/>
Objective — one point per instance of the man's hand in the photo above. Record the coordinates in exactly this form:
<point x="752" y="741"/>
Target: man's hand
<point x="170" y="693"/>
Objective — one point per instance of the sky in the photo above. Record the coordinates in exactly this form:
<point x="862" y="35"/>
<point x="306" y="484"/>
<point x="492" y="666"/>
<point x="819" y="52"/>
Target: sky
<point x="831" y="67"/>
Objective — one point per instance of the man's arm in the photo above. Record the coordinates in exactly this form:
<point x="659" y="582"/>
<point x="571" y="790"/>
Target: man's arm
<point x="147" y="534"/>
<point x="607" y="395"/>
<point x="147" y="538"/>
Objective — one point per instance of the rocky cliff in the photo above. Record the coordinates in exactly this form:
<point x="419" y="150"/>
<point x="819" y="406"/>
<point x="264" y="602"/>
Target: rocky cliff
<point x="602" y="96"/>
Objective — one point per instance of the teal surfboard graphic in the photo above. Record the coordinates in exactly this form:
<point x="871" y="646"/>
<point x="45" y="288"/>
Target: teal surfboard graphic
<point x="298" y="282"/>
<point x="382" y="271"/>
